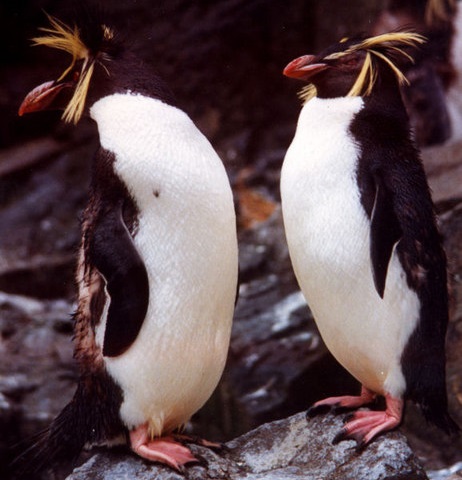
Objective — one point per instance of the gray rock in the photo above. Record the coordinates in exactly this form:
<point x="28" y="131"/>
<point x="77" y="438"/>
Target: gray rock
<point x="278" y="364"/>
<point x="287" y="449"/>
<point x="452" y="473"/>
<point x="274" y="337"/>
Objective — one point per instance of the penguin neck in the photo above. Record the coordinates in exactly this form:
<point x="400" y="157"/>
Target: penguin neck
<point x="386" y="99"/>
<point x="129" y="75"/>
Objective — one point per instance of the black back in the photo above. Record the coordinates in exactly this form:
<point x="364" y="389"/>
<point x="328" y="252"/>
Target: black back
<point x="396" y="197"/>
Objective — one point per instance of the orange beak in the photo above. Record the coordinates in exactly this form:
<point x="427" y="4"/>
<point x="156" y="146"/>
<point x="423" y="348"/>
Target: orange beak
<point x="303" y="68"/>
<point x="41" y="97"/>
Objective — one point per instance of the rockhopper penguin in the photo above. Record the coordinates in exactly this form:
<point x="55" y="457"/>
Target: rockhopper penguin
<point x="157" y="270"/>
<point x="362" y="236"/>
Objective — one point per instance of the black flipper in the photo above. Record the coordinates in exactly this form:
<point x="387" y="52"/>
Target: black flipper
<point x="391" y="175"/>
<point x="113" y="253"/>
<point x="385" y="234"/>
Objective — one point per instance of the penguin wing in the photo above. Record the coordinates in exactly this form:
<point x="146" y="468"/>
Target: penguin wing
<point x="114" y="254"/>
<point x="385" y="233"/>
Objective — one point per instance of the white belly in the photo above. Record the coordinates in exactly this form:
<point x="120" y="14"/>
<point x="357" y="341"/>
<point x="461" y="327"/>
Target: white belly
<point x="328" y="236"/>
<point x="187" y="239"/>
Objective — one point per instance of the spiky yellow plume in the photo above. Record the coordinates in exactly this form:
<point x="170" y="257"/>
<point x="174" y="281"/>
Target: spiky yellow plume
<point x="307" y="93"/>
<point x="62" y="37"/>
<point x="393" y="42"/>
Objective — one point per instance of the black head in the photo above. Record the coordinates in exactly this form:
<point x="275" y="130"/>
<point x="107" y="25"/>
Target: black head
<point x="352" y="66"/>
<point x="101" y="64"/>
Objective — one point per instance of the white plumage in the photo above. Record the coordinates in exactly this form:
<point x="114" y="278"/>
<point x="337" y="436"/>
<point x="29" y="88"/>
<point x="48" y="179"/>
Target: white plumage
<point x="186" y="237"/>
<point x="328" y="234"/>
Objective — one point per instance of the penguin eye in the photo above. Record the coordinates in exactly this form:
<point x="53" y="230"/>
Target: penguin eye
<point x="351" y="62"/>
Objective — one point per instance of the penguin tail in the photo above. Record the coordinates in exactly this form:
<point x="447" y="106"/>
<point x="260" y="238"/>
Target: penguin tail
<point x="60" y="442"/>
<point x="91" y="418"/>
<point x="429" y="393"/>
<point x="439" y="416"/>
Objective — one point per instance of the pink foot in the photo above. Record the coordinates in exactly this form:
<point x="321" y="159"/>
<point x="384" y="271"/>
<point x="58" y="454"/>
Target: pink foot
<point x="164" y="449"/>
<point x="365" y="425"/>
<point x="340" y="404"/>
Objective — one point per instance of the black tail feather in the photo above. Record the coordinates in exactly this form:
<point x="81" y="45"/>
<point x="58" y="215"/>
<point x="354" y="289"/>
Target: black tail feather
<point x="438" y="415"/>
<point x="92" y="417"/>
<point x="62" y="441"/>
<point x="428" y="391"/>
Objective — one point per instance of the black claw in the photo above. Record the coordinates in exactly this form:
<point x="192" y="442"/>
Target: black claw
<point x="221" y="448"/>
<point x="201" y="461"/>
<point x="342" y="435"/>
<point x="317" y="410"/>
<point x="360" y="445"/>
<point x="348" y="418"/>
<point x="180" y="468"/>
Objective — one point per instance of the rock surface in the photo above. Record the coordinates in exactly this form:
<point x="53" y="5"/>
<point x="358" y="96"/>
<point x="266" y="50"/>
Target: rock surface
<point x="287" y="449"/>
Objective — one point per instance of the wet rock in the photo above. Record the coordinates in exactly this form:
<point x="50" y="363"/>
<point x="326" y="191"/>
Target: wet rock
<point x="37" y="375"/>
<point x="43" y="189"/>
<point x="278" y="364"/>
<point x="286" y="449"/>
<point x="452" y="473"/>
<point x="444" y="168"/>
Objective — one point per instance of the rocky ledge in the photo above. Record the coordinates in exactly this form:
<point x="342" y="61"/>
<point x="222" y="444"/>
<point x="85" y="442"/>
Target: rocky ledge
<point x="288" y="449"/>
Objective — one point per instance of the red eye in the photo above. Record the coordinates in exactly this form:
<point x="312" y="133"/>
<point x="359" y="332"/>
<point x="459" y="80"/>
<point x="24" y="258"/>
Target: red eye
<point x="351" y="62"/>
<point x="76" y="76"/>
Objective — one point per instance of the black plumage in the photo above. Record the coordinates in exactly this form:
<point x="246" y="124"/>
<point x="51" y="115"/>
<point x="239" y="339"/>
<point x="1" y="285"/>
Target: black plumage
<point x="394" y="196"/>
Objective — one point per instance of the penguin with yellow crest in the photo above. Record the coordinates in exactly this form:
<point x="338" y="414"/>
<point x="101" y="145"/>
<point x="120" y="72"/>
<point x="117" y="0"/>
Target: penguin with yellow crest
<point x="157" y="270"/>
<point x="362" y="235"/>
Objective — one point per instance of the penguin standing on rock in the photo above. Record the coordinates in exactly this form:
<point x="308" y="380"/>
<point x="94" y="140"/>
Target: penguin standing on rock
<point x="362" y="236"/>
<point x="157" y="271"/>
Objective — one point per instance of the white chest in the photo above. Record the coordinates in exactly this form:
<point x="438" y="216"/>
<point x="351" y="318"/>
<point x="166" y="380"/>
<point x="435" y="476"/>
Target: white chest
<point x="328" y="234"/>
<point x="187" y="239"/>
<point x="319" y="190"/>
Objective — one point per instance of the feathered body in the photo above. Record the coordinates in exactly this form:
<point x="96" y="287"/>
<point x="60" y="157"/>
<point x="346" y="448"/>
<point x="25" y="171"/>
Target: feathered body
<point x="329" y="237"/>
<point x="363" y="240"/>
<point x="185" y="233"/>
<point x="157" y="271"/>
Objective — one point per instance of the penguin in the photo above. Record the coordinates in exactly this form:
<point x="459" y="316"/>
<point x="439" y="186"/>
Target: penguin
<point x="157" y="266"/>
<point x="362" y="234"/>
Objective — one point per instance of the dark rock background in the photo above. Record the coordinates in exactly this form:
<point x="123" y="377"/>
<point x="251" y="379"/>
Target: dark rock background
<point x="223" y="60"/>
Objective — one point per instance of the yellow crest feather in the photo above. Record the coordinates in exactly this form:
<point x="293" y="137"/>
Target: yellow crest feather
<point x="368" y="75"/>
<point x="62" y="37"/>
<point x="307" y="93"/>
<point x="75" y="107"/>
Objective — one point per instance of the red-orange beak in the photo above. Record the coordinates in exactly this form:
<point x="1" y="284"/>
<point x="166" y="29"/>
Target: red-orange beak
<point x="303" y="67"/>
<point x="41" y="97"/>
